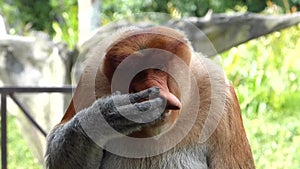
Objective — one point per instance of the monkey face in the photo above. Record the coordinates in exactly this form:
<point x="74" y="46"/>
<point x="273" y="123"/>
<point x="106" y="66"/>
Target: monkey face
<point x="150" y="55"/>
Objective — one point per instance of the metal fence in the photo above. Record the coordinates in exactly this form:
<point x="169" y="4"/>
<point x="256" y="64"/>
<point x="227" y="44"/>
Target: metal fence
<point x="10" y="92"/>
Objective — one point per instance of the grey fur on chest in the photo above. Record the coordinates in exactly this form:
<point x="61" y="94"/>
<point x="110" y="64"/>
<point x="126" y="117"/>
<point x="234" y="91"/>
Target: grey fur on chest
<point x="180" y="159"/>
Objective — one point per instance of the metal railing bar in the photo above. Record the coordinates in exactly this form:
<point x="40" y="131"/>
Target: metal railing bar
<point x="27" y="114"/>
<point x="16" y="89"/>
<point x="9" y="91"/>
<point x="3" y="131"/>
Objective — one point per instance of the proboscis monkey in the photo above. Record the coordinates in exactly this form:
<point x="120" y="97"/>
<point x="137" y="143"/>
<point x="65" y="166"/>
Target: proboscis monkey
<point x="146" y="100"/>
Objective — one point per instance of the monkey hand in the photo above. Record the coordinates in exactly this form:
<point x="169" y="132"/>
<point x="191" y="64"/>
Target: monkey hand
<point x="125" y="113"/>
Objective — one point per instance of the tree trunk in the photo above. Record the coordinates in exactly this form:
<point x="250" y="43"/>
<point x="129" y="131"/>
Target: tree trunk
<point x="88" y="18"/>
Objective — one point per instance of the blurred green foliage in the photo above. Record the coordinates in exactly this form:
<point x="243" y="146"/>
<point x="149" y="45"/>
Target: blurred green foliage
<point x="19" y="156"/>
<point x="265" y="73"/>
<point x="112" y="9"/>
<point x="65" y="26"/>
<point x="59" y="18"/>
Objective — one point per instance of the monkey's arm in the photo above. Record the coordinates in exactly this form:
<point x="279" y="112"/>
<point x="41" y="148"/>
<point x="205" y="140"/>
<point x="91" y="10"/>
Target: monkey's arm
<point x="233" y="148"/>
<point x="70" y="145"/>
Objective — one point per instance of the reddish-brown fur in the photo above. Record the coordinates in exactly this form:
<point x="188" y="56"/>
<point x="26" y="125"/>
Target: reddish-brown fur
<point x="228" y="145"/>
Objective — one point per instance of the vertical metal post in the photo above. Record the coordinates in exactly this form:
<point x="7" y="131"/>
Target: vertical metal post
<point x="3" y="131"/>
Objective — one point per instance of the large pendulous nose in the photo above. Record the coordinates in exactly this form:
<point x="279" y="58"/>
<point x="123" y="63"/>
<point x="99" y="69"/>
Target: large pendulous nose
<point x="150" y="78"/>
<point x="173" y="102"/>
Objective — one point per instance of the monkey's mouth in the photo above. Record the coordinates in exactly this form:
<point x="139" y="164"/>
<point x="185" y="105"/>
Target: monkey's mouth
<point x="167" y="113"/>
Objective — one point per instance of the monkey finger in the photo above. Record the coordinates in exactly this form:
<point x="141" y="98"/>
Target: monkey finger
<point x="143" y="112"/>
<point x="144" y="94"/>
<point x="123" y="125"/>
<point x="142" y="107"/>
<point x="126" y="99"/>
